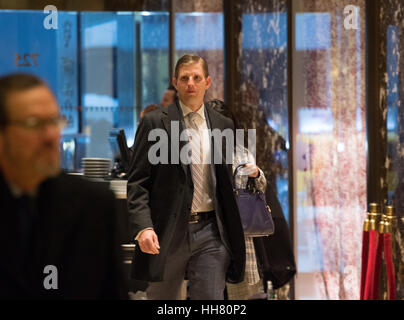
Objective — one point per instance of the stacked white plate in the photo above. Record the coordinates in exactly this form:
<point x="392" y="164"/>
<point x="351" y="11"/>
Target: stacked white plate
<point x="95" y="167"/>
<point x="119" y="188"/>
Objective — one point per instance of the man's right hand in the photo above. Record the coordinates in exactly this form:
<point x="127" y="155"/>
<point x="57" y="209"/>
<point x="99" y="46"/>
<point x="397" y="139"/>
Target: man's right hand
<point x="148" y="242"/>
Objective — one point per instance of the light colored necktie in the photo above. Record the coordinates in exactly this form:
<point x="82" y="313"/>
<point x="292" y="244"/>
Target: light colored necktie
<point x="196" y="161"/>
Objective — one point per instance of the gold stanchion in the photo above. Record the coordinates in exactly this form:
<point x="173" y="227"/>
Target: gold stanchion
<point x="374" y="216"/>
<point x="390" y="223"/>
<point x="390" y="218"/>
<point x="370" y="254"/>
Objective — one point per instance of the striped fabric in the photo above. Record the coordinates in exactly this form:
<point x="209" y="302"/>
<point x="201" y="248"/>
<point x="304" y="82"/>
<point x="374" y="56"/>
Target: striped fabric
<point x="196" y="161"/>
<point x="251" y="271"/>
<point x="243" y="290"/>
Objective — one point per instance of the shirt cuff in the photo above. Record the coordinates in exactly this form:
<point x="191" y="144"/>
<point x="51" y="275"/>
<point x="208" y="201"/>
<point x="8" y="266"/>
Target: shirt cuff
<point x="140" y="233"/>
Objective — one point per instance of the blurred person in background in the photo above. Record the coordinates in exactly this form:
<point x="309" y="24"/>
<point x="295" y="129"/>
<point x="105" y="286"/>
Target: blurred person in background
<point x="169" y="96"/>
<point x="149" y="108"/>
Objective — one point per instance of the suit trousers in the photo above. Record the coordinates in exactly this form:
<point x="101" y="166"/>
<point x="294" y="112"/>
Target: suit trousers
<point x="203" y="259"/>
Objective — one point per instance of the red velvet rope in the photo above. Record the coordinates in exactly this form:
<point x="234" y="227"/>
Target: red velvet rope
<point x="389" y="267"/>
<point x="377" y="267"/>
<point x="365" y="252"/>
<point x="370" y="272"/>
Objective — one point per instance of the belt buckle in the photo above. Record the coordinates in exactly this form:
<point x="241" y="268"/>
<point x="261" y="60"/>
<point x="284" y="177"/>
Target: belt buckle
<point x="194" y="218"/>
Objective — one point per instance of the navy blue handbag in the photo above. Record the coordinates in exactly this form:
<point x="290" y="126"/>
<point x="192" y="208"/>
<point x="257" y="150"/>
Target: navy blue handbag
<point x="255" y="214"/>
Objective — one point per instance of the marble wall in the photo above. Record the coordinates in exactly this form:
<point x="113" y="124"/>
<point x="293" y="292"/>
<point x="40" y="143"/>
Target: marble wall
<point x="199" y="29"/>
<point x="261" y="91"/>
<point x="198" y="5"/>
<point x="392" y="95"/>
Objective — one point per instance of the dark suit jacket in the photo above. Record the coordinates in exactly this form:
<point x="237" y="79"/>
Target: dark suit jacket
<point x="160" y="195"/>
<point x="75" y="231"/>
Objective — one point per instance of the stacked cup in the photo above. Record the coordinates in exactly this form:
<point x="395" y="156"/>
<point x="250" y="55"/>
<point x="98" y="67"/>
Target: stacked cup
<point x="96" y="168"/>
<point x="119" y="188"/>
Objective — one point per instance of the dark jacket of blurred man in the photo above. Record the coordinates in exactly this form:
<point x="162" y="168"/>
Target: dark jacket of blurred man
<point x="185" y="225"/>
<point x="58" y="234"/>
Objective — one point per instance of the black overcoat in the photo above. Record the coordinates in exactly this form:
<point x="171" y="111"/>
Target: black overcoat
<point x="76" y="231"/>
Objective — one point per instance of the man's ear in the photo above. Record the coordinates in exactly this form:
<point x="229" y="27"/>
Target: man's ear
<point x="174" y="83"/>
<point x="208" y="80"/>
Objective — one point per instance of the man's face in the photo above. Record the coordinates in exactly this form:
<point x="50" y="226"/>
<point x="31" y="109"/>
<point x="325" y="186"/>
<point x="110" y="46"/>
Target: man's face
<point x="34" y="152"/>
<point x="168" y="98"/>
<point x="191" y="84"/>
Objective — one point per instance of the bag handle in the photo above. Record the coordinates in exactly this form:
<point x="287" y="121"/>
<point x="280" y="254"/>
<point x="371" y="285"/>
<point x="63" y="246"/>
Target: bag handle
<point x="235" y="171"/>
<point x="250" y="182"/>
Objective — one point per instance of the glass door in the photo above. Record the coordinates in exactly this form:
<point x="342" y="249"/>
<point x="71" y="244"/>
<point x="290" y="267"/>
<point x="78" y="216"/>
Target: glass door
<point x="104" y="67"/>
<point x="329" y="91"/>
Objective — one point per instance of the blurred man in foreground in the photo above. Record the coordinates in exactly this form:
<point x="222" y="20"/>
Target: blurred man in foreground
<point x="58" y="233"/>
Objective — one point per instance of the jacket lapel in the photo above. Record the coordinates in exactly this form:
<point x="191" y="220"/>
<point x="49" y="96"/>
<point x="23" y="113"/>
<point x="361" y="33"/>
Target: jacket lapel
<point x="214" y="123"/>
<point x="173" y="119"/>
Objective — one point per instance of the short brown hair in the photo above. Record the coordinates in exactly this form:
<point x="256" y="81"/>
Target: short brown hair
<point x="15" y="82"/>
<point x="189" y="59"/>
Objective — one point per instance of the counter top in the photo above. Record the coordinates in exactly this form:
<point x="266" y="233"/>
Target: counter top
<point x="117" y="186"/>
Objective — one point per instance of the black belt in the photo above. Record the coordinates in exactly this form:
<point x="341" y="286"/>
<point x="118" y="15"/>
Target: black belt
<point x="196" y="217"/>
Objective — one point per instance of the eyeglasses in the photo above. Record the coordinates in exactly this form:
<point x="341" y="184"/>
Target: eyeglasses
<point x="34" y="123"/>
